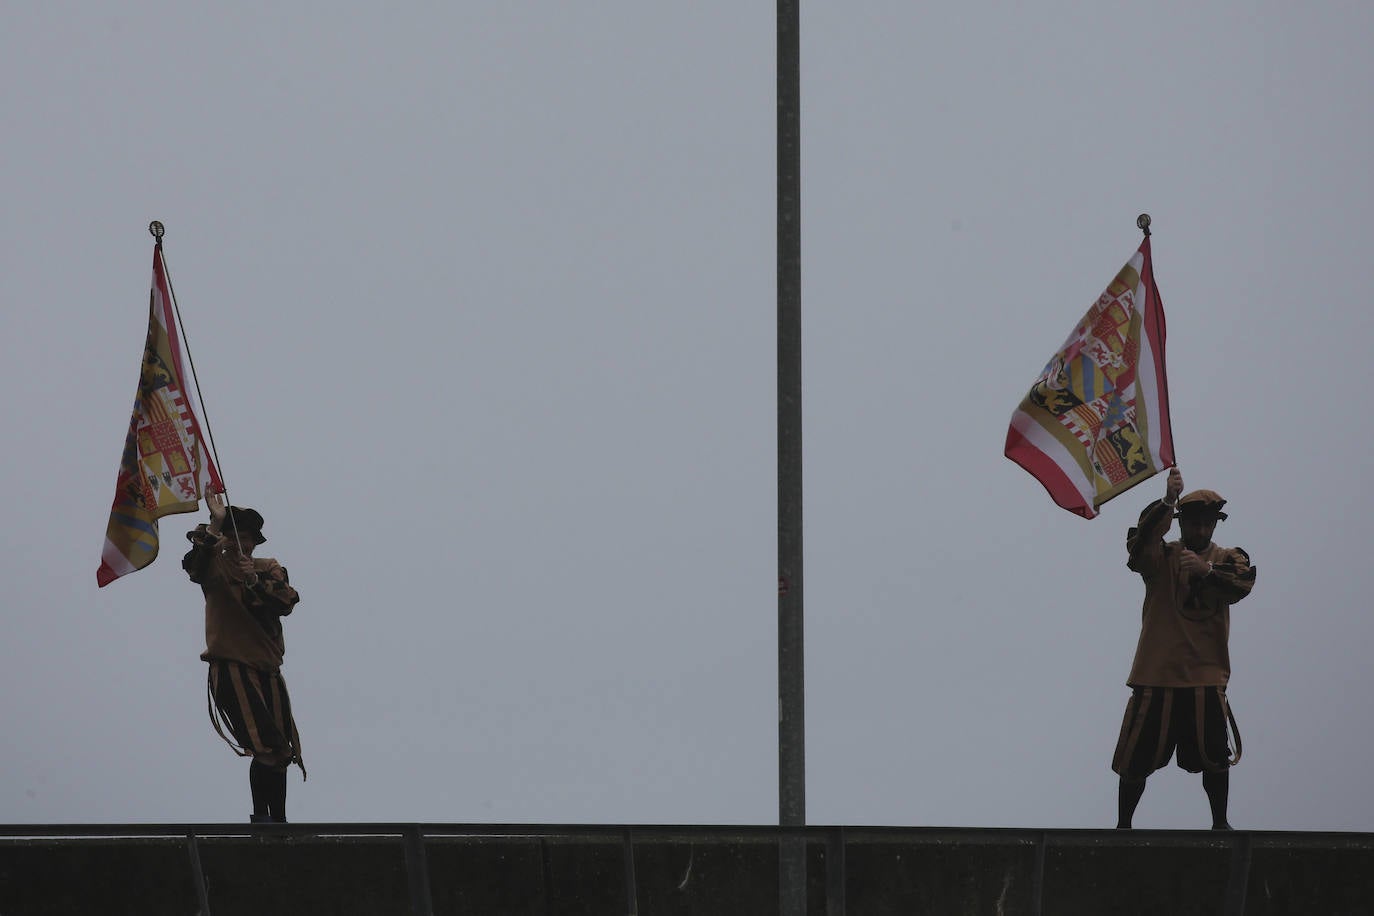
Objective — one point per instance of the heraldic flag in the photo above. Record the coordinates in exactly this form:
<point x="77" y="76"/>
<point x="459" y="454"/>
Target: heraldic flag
<point x="1096" y="421"/>
<point x="166" y="468"/>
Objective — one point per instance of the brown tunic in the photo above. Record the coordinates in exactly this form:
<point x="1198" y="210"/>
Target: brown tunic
<point x="1185" y="624"/>
<point x="241" y="624"/>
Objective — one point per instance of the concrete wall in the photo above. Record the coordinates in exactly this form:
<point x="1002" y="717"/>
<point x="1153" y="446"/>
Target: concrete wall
<point x="379" y="870"/>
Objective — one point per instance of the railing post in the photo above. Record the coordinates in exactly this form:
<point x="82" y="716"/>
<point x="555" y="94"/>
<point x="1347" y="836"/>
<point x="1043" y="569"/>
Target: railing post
<point x="197" y="874"/>
<point x="631" y="890"/>
<point x="417" y="872"/>
<point x="1238" y="881"/>
<point x="834" y="872"/>
<point x="1038" y="878"/>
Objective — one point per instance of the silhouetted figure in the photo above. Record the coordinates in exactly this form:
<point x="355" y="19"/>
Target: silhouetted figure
<point x="1182" y="661"/>
<point x="245" y="599"/>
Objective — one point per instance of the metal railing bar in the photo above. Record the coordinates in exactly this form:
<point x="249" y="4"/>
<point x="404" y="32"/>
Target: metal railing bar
<point x="614" y="833"/>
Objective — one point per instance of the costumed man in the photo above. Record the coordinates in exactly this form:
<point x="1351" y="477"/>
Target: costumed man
<point x="1182" y="660"/>
<point x="245" y="599"/>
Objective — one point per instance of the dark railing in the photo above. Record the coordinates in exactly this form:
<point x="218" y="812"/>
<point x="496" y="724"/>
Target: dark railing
<point x="640" y="870"/>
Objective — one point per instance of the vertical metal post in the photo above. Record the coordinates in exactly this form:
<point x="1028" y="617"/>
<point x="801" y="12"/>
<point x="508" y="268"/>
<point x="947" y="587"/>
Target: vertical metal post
<point x="627" y="843"/>
<point x="791" y="671"/>
<point x="835" y="871"/>
<point x="1239" y="880"/>
<point x="1038" y="877"/>
<point x="198" y="874"/>
<point x="417" y="871"/>
<point x="546" y="874"/>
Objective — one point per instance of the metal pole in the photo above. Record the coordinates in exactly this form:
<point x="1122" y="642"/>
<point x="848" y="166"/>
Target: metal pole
<point x="791" y="676"/>
<point x="417" y="872"/>
<point x="198" y="874"/>
<point x="627" y="844"/>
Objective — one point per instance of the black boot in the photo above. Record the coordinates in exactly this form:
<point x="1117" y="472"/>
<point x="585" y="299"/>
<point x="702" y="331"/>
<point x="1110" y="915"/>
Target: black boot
<point x="268" y="785"/>
<point x="1127" y="797"/>
<point x="277" y="803"/>
<point x="1218" y="787"/>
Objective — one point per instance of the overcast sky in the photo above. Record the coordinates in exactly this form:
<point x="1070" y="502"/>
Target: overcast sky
<point x="482" y="301"/>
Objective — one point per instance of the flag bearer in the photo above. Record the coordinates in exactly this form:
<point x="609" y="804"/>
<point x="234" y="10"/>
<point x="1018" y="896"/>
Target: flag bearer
<point x="245" y="599"/>
<point x="1182" y="660"/>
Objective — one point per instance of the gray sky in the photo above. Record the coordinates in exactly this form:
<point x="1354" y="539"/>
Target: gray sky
<point x="482" y="302"/>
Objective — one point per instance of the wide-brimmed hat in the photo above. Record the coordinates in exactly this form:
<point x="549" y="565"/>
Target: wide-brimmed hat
<point x="247" y="522"/>
<point x="1201" y="502"/>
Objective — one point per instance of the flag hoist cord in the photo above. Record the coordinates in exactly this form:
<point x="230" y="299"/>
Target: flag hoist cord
<point x="190" y="360"/>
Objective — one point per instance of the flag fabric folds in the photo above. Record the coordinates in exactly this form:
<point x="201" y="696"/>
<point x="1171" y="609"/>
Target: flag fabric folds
<point x="1096" y="421"/>
<point x="166" y="468"/>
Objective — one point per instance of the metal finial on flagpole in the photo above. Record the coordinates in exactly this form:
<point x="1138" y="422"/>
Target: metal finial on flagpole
<point x="1143" y="223"/>
<point x="157" y="230"/>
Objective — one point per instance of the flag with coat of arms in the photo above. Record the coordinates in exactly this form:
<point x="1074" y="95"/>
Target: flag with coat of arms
<point x="166" y="468"/>
<point x="1096" y="421"/>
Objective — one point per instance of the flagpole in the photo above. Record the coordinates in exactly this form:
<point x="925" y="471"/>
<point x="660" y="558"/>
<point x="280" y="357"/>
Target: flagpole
<point x="157" y="230"/>
<point x="791" y="655"/>
<point x="1142" y="223"/>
